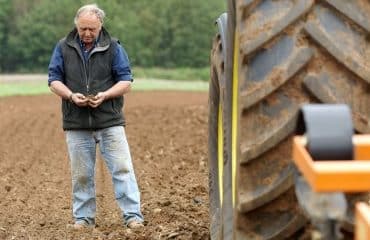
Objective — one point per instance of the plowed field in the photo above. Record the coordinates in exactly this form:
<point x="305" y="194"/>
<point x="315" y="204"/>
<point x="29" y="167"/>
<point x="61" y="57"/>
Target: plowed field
<point x="167" y="134"/>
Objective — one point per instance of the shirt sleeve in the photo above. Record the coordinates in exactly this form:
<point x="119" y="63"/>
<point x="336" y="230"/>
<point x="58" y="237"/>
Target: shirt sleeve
<point x="121" y="65"/>
<point x="56" y="66"/>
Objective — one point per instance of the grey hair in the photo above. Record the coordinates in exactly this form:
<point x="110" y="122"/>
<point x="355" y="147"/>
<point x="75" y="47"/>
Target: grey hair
<point x="92" y="9"/>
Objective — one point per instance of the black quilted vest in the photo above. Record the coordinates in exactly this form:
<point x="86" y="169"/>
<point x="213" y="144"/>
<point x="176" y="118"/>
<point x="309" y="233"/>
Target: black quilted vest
<point x="90" y="77"/>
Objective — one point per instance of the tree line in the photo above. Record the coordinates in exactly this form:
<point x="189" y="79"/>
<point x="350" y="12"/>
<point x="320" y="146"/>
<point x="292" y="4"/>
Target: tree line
<point x="161" y="33"/>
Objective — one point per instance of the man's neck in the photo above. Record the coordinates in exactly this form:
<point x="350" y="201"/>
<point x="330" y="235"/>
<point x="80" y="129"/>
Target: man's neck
<point x="88" y="46"/>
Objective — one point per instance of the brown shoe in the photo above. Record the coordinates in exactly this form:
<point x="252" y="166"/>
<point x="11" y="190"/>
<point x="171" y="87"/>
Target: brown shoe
<point x="134" y="224"/>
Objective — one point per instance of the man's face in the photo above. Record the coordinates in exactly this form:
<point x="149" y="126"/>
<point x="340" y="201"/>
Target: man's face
<point x="88" y="27"/>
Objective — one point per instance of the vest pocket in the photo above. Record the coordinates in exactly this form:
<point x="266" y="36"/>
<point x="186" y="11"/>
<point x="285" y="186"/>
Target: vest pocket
<point x="110" y="106"/>
<point x="66" y="108"/>
<point x="116" y="107"/>
<point x="106" y="107"/>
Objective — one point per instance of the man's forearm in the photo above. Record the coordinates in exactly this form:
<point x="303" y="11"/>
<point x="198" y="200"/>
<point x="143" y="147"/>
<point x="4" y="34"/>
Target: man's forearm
<point x="60" y="89"/>
<point x="119" y="89"/>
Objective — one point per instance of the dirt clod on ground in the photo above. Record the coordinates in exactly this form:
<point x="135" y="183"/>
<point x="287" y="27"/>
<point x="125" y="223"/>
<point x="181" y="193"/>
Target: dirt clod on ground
<point x="167" y="134"/>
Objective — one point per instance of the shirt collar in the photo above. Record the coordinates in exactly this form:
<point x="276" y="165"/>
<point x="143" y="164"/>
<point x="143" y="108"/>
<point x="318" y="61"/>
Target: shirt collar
<point x="82" y="44"/>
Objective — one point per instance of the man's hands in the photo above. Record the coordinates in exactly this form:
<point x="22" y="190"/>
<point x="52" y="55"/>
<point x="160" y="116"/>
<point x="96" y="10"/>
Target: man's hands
<point x="96" y="100"/>
<point x="90" y="100"/>
<point x="79" y="99"/>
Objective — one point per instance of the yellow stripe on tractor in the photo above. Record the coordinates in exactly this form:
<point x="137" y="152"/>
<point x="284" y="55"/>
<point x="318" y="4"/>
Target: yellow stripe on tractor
<point x="220" y="149"/>
<point x="235" y="108"/>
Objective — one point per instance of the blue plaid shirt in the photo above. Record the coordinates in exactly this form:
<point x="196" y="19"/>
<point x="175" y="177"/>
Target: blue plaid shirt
<point x="120" y="66"/>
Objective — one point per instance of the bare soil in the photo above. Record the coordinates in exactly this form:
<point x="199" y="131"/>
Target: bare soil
<point x="167" y="134"/>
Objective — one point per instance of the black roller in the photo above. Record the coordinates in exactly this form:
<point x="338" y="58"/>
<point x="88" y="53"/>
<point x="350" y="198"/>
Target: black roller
<point x="329" y="130"/>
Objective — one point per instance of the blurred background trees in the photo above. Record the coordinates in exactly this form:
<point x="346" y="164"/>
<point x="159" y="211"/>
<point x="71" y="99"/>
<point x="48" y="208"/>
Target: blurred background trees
<point x="155" y="33"/>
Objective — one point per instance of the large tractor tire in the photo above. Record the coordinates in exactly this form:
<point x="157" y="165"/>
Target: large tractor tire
<point x="275" y="56"/>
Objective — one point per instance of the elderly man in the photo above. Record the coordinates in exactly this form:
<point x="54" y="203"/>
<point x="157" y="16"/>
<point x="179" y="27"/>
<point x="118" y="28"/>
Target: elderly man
<point x="90" y="71"/>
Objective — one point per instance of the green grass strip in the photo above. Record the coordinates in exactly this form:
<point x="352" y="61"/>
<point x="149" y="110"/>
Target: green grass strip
<point x="155" y="84"/>
<point x="187" y="74"/>
<point x="23" y="88"/>
<point x="40" y="87"/>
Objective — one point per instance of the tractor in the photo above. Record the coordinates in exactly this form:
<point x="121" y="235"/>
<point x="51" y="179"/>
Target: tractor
<point x="268" y="59"/>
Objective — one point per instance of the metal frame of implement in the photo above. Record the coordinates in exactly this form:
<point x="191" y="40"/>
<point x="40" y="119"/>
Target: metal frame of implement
<point x="339" y="176"/>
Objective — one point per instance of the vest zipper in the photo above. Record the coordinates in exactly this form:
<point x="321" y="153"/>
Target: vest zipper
<point x="88" y="88"/>
<point x="86" y="81"/>
<point x="86" y="63"/>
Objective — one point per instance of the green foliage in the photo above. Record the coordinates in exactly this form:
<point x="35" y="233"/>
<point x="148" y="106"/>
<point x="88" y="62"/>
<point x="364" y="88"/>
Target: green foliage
<point x="156" y="33"/>
<point x="5" y="11"/>
<point x="37" y="32"/>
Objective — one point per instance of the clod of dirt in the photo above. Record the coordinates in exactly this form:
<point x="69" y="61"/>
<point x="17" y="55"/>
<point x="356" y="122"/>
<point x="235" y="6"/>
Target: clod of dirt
<point x="166" y="203"/>
<point x="157" y="210"/>
<point x="197" y="200"/>
<point x="91" y="97"/>
<point x="173" y="235"/>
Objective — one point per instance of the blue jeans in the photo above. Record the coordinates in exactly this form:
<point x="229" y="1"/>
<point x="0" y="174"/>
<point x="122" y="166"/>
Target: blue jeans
<point x="116" y="153"/>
